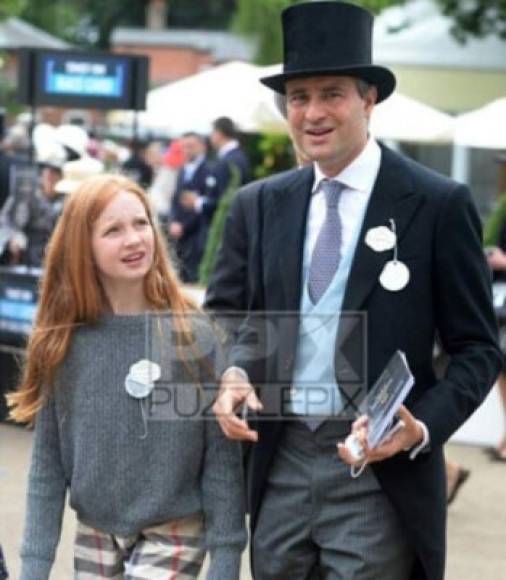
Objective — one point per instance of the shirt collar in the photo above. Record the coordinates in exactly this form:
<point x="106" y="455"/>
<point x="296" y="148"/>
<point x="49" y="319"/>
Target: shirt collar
<point x="229" y="145"/>
<point x="192" y="166"/>
<point x="360" y="174"/>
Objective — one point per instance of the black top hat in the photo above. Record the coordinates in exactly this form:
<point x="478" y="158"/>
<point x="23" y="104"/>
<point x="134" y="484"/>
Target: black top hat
<point x="329" y="38"/>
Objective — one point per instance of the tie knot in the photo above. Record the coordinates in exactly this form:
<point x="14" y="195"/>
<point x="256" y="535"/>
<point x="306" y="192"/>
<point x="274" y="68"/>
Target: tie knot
<point x="332" y="190"/>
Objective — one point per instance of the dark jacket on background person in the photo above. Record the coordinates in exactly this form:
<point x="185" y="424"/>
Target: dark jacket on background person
<point x="190" y="247"/>
<point x="222" y="174"/>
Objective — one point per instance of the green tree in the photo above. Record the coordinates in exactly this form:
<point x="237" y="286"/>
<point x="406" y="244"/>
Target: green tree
<point x="57" y="17"/>
<point x="260" y="19"/>
<point x="477" y="18"/>
<point x="10" y="8"/>
<point x="212" y="14"/>
<point x="106" y="16"/>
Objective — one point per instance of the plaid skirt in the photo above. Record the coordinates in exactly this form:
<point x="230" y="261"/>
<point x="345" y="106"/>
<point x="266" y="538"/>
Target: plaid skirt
<point x="174" y="551"/>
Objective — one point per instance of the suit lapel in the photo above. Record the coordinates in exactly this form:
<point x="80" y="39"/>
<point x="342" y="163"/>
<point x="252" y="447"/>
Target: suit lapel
<point x="391" y="198"/>
<point x="286" y="212"/>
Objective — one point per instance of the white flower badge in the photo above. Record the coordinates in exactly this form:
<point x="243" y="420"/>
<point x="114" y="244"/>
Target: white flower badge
<point x="395" y="274"/>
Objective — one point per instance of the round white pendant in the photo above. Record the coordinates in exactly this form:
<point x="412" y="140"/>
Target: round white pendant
<point x="136" y="389"/>
<point x="145" y="371"/>
<point x="395" y="276"/>
<point x="141" y="378"/>
<point x="380" y="239"/>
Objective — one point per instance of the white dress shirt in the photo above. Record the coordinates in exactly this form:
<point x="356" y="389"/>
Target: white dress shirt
<point x="358" y="178"/>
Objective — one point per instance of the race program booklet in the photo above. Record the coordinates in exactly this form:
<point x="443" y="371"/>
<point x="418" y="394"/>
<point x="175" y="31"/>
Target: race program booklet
<point x="385" y="397"/>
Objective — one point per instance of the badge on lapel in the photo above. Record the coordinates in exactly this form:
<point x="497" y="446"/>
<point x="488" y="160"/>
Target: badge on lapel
<point x="395" y="274"/>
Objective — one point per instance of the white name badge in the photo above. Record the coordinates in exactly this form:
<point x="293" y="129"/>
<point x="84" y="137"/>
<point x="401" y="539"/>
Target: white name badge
<point x="395" y="276"/>
<point x="145" y="371"/>
<point x="141" y="378"/>
<point x="136" y="389"/>
<point x="380" y="239"/>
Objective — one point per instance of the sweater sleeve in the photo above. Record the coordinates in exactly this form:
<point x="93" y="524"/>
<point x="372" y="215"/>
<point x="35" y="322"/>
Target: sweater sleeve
<point x="223" y="503"/>
<point x="222" y="482"/>
<point x="45" y="498"/>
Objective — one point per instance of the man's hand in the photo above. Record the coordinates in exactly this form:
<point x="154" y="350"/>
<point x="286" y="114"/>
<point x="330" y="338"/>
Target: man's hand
<point x="496" y="259"/>
<point x="234" y="392"/>
<point x="188" y="200"/>
<point x="405" y="438"/>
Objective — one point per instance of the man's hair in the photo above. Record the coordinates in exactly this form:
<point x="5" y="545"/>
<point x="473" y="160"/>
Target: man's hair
<point x="194" y="135"/>
<point x="226" y="126"/>
<point x="363" y="87"/>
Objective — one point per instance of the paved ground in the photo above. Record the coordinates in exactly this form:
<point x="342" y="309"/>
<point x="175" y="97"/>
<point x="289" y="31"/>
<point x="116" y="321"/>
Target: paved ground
<point x="477" y="521"/>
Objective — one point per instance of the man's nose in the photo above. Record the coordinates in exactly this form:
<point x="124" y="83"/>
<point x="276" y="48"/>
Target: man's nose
<point x="314" y="110"/>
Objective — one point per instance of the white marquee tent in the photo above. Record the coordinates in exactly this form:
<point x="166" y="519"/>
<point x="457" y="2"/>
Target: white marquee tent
<point x="191" y="104"/>
<point x="402" y="118"/>
<point x="484" y="128"/>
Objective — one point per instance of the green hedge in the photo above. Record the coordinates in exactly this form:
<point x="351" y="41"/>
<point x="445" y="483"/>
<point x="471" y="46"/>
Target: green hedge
<point x="494" y="223"/>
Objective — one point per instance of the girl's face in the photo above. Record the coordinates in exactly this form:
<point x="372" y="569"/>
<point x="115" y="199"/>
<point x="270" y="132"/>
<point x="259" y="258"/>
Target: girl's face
<point x="123" y="241"/>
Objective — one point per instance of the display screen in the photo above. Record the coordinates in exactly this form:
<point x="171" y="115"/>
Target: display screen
<point x="18" y="300"/>
<point x="79" y="79"/>
<point x="63" y="76"/>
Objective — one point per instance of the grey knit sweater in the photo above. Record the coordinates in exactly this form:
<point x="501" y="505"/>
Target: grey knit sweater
<point x="129" y="464"/>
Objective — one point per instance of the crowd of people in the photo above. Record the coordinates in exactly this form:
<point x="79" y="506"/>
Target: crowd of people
<point x="122" y="367"/>
<point x="182" y="179"/>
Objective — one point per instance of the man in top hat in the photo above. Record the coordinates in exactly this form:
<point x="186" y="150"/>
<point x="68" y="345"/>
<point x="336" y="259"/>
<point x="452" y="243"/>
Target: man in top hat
<point x="362" y="238"/>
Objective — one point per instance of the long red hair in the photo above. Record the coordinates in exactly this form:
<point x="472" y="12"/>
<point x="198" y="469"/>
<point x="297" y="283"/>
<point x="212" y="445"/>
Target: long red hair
<point x="70" y="291"/>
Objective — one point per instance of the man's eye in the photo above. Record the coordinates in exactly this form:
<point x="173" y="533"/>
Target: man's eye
<point x="296" y="99"/>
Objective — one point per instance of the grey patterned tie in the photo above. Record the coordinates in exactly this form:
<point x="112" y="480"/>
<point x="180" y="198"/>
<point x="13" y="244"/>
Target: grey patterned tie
<point x="327" y="250"/>
<point x="325" y="259"/>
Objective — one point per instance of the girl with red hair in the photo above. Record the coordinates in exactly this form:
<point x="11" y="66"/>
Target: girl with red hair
<point x="120" y="368"/>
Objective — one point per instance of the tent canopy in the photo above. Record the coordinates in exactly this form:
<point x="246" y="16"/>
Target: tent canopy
<point x="191" y="104"/>
<point x="483" y="128"/>
<point x="402" y="118"/>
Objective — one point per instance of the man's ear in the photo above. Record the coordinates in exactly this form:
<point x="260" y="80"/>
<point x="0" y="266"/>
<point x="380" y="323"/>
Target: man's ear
<point x="370" y="100"/>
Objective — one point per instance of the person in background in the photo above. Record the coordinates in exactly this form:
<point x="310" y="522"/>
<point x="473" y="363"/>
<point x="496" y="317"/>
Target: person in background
<point x="187" y="229"/>
<point x="14" y="153"/>
<point x="164" y="184"/>
<point x="231" y="164"/>
<point x="117" y="359"/>
<point x="3" y="566"/>
<point x="494" y="239"/>
<point x="27" y="222"/>
<point x="136" y="167"/>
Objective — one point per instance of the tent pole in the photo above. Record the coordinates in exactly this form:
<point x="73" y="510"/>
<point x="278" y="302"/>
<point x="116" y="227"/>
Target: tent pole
<point x="460" y="163"/>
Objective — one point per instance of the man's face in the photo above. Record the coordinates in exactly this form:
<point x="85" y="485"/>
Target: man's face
<point x="216" y="139"/>
<point x="328" y="119"/>
<point x="192" y="147"/>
